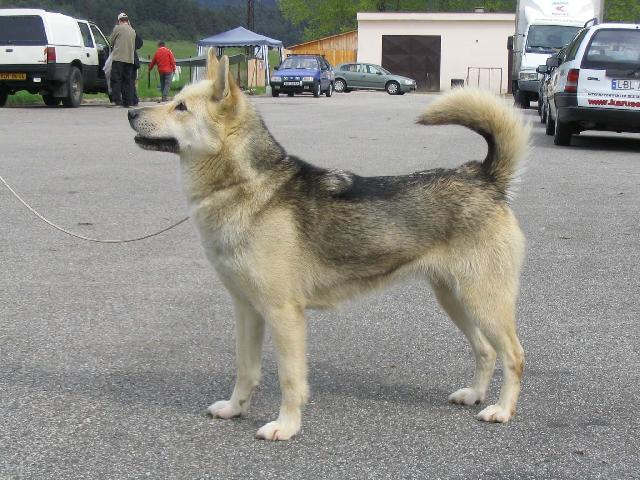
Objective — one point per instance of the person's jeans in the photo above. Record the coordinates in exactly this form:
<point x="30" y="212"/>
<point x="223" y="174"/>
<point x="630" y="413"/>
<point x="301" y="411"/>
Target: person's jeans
<point x="122" y="83"/>
<point x="165" y="84"/>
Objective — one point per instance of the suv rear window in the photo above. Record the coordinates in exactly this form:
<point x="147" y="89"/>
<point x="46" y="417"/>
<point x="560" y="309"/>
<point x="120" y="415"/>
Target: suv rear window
<point x="22" y="30"/>
<point x="613" y="49"/>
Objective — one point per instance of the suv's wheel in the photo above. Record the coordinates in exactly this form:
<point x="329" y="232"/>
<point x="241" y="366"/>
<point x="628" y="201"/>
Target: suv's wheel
<point x="340" y="85"/>
<point x="522" y="99"/>
<point x="275" y="93"/>
<point x="550" y="125"/>
<point x="329" y="91"/>
<point x="562" y="133"/>
<point x="392" y="88"/>
<point x="3" y="98"/>
<point x="316" y="89"/>
<point x="50" y="100"/>
<point x="75" y="87"/>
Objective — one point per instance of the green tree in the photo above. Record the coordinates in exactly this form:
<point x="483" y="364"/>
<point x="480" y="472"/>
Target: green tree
<point x="320" y="18"/>
<point x="622" y="10"/>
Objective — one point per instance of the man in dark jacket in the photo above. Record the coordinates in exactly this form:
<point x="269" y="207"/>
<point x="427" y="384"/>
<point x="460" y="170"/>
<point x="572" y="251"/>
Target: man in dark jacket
<point x="136" y="69"/>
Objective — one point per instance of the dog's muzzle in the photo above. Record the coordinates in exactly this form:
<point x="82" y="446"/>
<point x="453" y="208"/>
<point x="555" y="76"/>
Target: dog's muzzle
<point x="159" y="144"/>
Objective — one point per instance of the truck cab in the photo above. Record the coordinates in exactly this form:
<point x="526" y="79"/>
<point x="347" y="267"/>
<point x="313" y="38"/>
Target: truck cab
<point x="54" y="55"/>
<point x="540" y="42"/>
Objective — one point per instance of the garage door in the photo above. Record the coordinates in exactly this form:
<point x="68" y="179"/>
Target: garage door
<point x="414" y="56"/>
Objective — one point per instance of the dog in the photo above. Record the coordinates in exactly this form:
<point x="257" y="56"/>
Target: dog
<point x="285" y="236"/>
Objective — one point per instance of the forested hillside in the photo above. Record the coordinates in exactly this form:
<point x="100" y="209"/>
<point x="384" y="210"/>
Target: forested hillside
<point x="174" y="19"/>
<point x="319" y="18"/>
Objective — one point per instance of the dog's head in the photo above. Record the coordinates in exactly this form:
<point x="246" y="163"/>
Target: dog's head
<point x="197" y="120"/>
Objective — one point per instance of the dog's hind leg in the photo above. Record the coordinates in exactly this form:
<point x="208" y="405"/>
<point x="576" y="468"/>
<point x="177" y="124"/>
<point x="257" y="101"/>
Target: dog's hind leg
<point x="287" y="325"/>
<point x="249" y="339"/>
<point x="492" y="306"/>
<point x="485" y="355"/>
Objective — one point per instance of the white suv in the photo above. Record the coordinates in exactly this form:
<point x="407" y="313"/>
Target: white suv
<point x="597" y="84"/>
<point x="55" y="55"/>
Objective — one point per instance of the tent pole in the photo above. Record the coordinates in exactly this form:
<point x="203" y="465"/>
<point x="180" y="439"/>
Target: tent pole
<point x="265" y="55"/>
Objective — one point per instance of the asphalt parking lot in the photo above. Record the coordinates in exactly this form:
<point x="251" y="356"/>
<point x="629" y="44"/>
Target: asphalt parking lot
<point x="109" y="354"/>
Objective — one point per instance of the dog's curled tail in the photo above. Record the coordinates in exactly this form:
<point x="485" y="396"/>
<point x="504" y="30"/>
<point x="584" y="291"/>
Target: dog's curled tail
<point x="501" y="126"/>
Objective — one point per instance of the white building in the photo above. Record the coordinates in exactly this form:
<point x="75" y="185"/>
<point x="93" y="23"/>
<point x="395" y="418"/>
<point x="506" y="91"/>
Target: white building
<point x="436" y="48"/>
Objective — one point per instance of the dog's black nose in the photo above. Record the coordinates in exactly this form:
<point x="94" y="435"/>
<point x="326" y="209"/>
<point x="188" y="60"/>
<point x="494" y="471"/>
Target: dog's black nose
<point x="133" y="113"/>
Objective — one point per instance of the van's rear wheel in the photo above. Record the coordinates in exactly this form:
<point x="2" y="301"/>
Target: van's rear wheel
<point x="562" y="133"/>
<point x="3" y="98"/>
<point x="50" y="100"/>
<point x="75" y="86"/>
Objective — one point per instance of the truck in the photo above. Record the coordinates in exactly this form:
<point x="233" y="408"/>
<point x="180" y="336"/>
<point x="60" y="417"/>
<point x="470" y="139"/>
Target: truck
<point x="542" y="28"/>
<point x="51" y="54"/>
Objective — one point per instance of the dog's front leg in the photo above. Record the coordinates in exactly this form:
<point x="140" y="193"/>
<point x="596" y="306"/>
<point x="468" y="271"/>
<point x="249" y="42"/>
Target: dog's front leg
<point x="249" y="338"/>
<point x="288" y="332"/>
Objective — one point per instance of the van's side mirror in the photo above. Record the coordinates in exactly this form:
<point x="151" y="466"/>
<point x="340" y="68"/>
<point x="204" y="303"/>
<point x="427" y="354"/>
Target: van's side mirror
<point x="542" y="69"/>
<point x="510" y="43"/>
<point x="552" y="62"/>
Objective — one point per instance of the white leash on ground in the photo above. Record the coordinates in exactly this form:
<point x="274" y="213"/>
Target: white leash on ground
<point x="82" y="237"/>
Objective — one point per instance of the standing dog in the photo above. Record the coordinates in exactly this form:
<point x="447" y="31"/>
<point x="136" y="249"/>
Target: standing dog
<point x="284" y="235"/>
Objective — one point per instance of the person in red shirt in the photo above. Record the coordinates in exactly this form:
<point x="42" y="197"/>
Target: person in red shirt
<point x="166" y="63"/>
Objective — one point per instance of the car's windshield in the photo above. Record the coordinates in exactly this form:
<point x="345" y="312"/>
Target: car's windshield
<point x="613" y="49"/>
<point x="300" y="63"/>
<point x="22" y="30"/>
<point x="549" y="38"/>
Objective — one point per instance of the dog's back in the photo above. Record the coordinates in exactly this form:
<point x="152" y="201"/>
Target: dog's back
<point x="368" y="228"/>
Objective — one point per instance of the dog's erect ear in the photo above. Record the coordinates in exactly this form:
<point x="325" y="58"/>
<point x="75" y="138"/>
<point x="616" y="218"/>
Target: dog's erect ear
<point x="212" y="64"/>
<point x="221" y="81"/>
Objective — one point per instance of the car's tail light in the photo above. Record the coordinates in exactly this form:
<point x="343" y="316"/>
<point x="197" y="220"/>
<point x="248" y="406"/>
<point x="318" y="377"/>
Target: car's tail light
<point x="50" y="52"/>
<point x="572" y="81"/>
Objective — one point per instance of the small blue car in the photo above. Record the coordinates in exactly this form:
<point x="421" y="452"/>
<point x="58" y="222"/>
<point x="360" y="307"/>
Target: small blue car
<point x="303" y="73"/>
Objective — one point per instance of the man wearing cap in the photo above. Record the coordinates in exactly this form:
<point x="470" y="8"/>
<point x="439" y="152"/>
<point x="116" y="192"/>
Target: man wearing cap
<point x="123" y="41"/>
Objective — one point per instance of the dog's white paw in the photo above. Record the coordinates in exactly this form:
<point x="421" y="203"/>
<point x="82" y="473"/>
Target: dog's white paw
<point x="225" y="409"/>
<point x="465" y="396"/>
<point x="278" y="430"/>
<point x="495" y="414"/>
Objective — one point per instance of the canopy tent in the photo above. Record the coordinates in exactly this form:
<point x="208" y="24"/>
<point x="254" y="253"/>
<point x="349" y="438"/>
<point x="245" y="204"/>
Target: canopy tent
<point x="241" y="37"/>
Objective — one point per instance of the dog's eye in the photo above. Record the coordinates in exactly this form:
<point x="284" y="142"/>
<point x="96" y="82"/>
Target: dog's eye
<point x="182" y="107"/>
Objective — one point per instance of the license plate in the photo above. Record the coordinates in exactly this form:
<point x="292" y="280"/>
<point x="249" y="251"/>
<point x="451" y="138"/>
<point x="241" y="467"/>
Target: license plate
<point x="292" y="84"/>
<point x="13" y="76"/>
<point x="625" y="84"/>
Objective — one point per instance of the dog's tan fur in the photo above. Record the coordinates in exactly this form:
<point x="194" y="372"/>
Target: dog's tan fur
<point x="249" y="201"/>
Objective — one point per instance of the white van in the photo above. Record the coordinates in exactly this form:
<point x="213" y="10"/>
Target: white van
<point x="597" y="84"/>
<point x="54" y="55"/>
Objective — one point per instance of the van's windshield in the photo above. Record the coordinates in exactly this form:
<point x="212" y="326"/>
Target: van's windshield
<point x="549" y="38"/>
<point x="613" y="49"/>
<point x="22" y="30"/>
